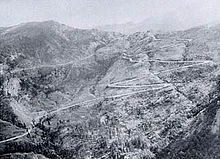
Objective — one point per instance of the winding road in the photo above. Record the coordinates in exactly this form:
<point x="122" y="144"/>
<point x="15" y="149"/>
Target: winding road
<point x="88" y="101"/>
<point x="112" y="85"/>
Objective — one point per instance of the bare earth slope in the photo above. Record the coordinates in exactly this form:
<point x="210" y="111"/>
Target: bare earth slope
<point x="71" y="93"/>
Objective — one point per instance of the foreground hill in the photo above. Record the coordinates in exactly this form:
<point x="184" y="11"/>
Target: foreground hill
<point x="71" y="93"/>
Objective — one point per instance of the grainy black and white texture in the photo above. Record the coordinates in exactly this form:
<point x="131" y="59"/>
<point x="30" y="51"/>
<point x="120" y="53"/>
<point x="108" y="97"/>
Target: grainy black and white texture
<point x="140" y="90"/>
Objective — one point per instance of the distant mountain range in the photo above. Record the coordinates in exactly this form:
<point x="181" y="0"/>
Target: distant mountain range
<point x="167" y="23"/>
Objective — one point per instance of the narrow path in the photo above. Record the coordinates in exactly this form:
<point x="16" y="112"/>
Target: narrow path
<point x="88" y="101"/>
<point x="116" y="96"/>
<point x="169" y="70"/>
<point x="62" y="64"/>
<point x="50" y="66"/>
<point x="138" y="86"/>
<point x="177" y="61"/>
<point x="16" y="137"/>
<point x="165" y="85"/>
<point x="160" y="48"/>
<point x="106" y="97"/>
<point x="3" y="121"/>
<point x="72" y="62"/>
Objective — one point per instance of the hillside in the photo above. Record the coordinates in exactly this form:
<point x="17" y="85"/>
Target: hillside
<point x="73" y="93"/>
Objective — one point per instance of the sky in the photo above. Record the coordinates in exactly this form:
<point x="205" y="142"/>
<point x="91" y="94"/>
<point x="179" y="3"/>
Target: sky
<point x="87" y="13"/>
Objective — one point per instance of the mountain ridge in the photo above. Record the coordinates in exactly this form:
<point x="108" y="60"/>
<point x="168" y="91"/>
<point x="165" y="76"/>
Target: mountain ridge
<point x="115" y="96"/>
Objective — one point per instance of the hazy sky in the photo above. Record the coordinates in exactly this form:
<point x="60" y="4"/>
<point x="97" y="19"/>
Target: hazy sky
<point x="85" y="13"/>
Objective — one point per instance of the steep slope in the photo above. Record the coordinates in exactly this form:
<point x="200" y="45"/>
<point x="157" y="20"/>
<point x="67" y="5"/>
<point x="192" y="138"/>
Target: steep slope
<point x="47" y="43"/>
<point x="104" y="95"/>
<point x="139" y="124"/>
<point x="29" y="88"/>
<point x="202" y="139"/>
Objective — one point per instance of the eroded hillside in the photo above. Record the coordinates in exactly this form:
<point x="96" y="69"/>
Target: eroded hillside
<point x="71" y="93"/>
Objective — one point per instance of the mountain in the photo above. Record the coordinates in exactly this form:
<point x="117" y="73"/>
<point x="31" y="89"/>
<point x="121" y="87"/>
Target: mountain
<point x="75" y="93"/>
<point x="172" y="21"/>
<point x="47" y="43"/>
<point x="158" y="25"/>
